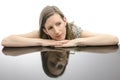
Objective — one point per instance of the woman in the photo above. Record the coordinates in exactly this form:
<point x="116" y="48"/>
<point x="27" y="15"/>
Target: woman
<point x="56" y="31"/>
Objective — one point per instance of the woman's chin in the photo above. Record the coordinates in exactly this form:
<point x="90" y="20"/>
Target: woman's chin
<point x="59" y="39"/>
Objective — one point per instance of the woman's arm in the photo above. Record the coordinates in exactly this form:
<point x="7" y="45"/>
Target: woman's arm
<point x="92" y="39"/>
<point x="28" y="39"/>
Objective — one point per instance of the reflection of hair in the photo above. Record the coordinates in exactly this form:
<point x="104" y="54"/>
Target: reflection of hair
<point x="45" y="14"/>
<point x="44" y="57"/>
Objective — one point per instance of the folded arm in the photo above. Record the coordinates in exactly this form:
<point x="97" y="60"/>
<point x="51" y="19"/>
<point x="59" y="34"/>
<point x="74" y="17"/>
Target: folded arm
<point x="92" y="39"/>
<point x="29" y="39"/>
<point x="87" y="39"/>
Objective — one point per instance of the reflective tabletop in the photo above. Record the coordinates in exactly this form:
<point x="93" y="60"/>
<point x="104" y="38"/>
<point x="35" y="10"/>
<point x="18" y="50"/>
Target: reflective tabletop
<point x="49" y="63"/>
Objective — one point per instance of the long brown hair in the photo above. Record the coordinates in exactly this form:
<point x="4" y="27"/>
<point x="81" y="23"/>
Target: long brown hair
<point x="45" y="14"/>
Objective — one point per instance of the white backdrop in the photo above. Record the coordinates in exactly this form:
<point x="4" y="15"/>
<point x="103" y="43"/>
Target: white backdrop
<point x="21" y="16"/>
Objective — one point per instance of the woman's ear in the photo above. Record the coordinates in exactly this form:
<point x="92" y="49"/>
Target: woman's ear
<point x="64" y="19"/>
<point x="45" y="31"/>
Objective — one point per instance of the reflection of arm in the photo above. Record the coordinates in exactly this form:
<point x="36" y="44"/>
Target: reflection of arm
<point x="94" y="49"/>
<point x="19" y="51"/>
<point x="15" y="51"/>
<point x="100" y="49"/>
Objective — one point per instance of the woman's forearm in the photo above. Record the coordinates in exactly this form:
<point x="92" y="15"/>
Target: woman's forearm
<point x="98" y="40"/>
<point x="18" y="41"/>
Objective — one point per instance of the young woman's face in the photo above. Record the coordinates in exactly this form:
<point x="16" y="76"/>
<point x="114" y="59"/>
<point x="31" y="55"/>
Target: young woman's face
<point x="55" y="27"/>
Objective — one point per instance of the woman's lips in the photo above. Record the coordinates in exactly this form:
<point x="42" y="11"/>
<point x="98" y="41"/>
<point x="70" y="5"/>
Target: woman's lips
<point x="59" y="36"/>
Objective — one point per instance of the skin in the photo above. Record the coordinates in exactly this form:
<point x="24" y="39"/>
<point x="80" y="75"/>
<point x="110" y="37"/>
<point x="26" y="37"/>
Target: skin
<point x="55" y="28"/>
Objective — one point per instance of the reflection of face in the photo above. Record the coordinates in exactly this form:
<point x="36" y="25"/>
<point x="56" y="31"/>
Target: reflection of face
<point x="55" y="27"/>
<point x="56" y="62"/>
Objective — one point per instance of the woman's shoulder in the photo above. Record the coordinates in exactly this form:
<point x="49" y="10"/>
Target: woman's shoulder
<point x="73" y="26"/>
<point x="75" y="29"/>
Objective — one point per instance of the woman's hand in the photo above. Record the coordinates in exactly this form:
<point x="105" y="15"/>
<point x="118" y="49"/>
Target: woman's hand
<point x="68" y="43"/>
<point x="53" y="43"/>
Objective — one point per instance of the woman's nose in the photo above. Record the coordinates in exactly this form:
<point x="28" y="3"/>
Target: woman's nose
<point x="60" y="59"/>
<point x="60" y="65"/>
<point x="56" y="30"/>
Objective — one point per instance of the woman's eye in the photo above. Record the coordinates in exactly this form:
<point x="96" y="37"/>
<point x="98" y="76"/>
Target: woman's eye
<point x="57" y="24"/>
<point x="50" y="28"/>
<point x="52" y="63"/>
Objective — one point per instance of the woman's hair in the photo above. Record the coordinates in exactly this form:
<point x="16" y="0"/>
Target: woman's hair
<point x="44" y="58"/>
<point x="45" y="14"/>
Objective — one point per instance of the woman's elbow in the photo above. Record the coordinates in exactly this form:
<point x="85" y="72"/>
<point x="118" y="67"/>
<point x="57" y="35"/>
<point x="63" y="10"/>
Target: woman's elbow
<point x="6" y="41"/>
<point x="3" y="42"/>
<point x="116" y="40"/>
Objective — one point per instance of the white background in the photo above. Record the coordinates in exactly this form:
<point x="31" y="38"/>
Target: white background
<point x="22" y="16"/>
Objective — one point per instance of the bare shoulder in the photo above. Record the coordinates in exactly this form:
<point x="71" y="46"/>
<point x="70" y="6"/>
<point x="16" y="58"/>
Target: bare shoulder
<point x="32" y="34"/>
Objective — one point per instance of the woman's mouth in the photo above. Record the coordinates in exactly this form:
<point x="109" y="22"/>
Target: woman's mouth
<point x="59" y="36"/>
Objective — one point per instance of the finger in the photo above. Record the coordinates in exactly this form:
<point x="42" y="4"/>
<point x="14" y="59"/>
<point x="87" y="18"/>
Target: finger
<point x="60" y="46"/>
<point x="57" y="44"/>
<point x="64" y="42"/>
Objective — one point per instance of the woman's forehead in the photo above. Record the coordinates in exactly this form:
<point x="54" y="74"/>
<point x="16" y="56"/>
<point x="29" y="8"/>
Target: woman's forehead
<point x="53" y="19"/>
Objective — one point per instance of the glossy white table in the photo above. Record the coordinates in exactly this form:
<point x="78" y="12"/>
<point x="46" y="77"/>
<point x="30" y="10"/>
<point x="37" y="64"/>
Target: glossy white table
<point x="83" y="63"/>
